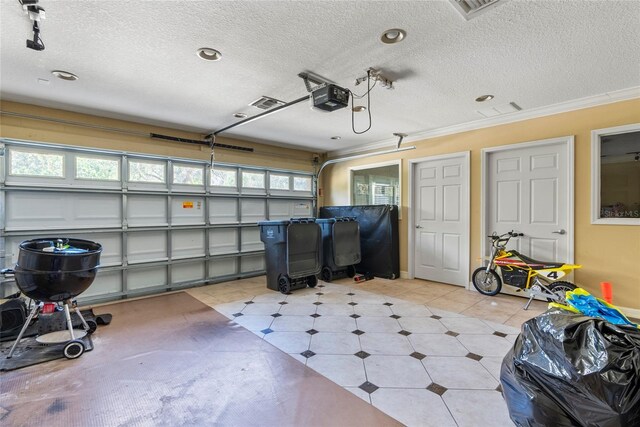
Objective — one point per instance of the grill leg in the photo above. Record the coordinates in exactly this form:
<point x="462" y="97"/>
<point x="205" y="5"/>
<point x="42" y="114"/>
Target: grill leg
<point x="68" y="316"/>
<point x="35" y="309"/>
<point x="84" y="322"/>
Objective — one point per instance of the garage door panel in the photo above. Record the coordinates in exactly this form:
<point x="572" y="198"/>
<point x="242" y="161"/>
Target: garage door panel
<point x="223" y="241"/>
<point x="223" y="210"/>
<point x="251" y="263"/>
<point x="187" y="272"/>
<point x="147" y="246"/>
<point x="140" y="278"/>
<point x="187" y="210"/>
<point x="251" y="239"/>
<point x="223" y="267"/>
<point x="252" y="210"/>
<point x="187" y="243"/>
<point x="143" y="210"/>
<point x="105" y="283"/>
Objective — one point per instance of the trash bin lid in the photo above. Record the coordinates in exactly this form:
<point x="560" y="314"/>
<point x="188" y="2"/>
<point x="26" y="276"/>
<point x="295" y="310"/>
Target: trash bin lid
<point x="326" y="220"/>
<point x="263" y="223"/>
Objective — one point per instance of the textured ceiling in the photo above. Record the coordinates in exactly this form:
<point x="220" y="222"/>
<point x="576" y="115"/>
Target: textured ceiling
<point x="136" y="60"/>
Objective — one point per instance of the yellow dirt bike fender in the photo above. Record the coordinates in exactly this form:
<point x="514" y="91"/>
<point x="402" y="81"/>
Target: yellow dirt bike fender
<point x="554" y="274"/>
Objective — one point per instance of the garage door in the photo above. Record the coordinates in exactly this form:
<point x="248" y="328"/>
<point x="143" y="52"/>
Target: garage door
<point x="164" y="223"/>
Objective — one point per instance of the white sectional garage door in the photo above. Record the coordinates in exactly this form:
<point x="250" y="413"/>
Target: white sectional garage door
<point x="163" y="223"/>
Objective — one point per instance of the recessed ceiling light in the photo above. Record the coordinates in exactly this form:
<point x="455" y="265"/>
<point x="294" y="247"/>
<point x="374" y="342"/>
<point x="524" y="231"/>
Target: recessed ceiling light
<point x="394" y="35"/>
<point x="484" y="98"/>
<point x="359" y="108"/>
<point x="209" y="54"/>
<point x="64" y="75"/>
<point x="240" y="115"/>
<point x="336" y="137"/>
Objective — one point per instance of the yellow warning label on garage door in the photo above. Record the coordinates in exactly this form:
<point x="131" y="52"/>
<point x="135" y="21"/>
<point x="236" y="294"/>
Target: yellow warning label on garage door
<point x="187" y="205"/>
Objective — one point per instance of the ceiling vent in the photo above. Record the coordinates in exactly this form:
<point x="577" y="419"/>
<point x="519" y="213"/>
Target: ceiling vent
<point x="472" y="8"/>
<point x="264" y="103"/>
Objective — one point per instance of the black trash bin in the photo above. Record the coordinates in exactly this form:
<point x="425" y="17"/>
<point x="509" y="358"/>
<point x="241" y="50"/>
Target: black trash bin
<point x="340" y="247"/>
<point x="292" y="253"/>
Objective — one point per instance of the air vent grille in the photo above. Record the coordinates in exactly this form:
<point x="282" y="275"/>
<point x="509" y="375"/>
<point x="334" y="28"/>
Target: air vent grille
<point x="265" y="102"/>
<point x="472" y="8"/>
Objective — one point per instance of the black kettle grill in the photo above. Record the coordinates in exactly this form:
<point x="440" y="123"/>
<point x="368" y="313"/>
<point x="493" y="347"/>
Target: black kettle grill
<point x="56" y="270"/>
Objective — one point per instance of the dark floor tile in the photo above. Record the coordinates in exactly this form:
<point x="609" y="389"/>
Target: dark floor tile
<point x="357" y="332"/>
<point x="283" y="302"/>
<point x="362" y="354"/>
<point x="436" y="317"/>
<point x="312" y="332"/>
<point x="395" y="316"/>
<point x="417" y="355"/>
<point x="500" y="334"/>
<point x="315" y="315"/>
<point x="317" y="303"/>
<point x="267" y="331"/>
<point x="319" y="293"/>
<point x="368" y="387"/>
<point x="499" y="388"/>
<point x="388" y="304"/>
<point x="451" y="333"/>
<point x="237" y="314"/>
<point x="321" y="286"/>
<point x="405" y="333"/>
<point x="307" y="354"/>
<point x="249" y="302"/>
<point x="276" y="315"/>
<point x="351" y="294"/>
<point x="352" y="303"/>
<point x="437" y="389"/>
<point x="355" y="316"/>
<point x="474" y="356"/>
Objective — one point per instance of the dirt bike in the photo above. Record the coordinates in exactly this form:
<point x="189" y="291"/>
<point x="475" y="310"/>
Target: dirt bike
<point x="526" y="274"/>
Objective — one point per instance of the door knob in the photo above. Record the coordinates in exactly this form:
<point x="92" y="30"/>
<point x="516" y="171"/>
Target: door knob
<point x="559" y="232"/>
<point x="419" y="226"/>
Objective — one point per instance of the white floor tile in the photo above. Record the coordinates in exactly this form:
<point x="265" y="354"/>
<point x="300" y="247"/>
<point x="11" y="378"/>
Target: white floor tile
<point x="411" y="310"/>
<point x="289" y="342"/>
<point x="396" y="371"/>
<point x="413" y="407"/>
<point x="335" y="324"/>
<point x="273" y="296"/>
<point x="378" y="324"/>
<point x="373" y="310"/>
<point x="300" y="358"/>
<point x="292" y="323"/>
<point x="298" y="309"/>
<point x="368" y="298"/>
<point x="459" y="372"/>
<point x="335" y="343"/>
<point x="485" y="345"/>
<point x="335" y="309"/>
<point x="502" y="328"/>
<point x="335" y="298"/>
<point x="467" y="325"/>
<point x="262" y="308"/>
<point x="422" y="325"/>
<point x="477" y="408"/>
<point x="254" y="322"/>
<point x="437" y="345"/>
<point x="345" y="370"/>
<point x="511" y="338"/>
<point x="385" y="344"/>
<point x="444" y="313"/>
<point x="493" y="365"/>
<point x="230" y="308"/>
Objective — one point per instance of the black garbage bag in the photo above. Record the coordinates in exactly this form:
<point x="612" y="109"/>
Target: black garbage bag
<point x="567" y="369"/>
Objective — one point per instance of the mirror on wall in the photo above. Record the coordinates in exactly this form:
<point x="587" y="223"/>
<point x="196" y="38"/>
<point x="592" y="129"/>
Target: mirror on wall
<point x="376" y="185"/>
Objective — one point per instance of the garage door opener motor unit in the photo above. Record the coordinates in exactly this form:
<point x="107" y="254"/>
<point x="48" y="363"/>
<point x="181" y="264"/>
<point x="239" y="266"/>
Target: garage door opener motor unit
<point x="330" y="98"/>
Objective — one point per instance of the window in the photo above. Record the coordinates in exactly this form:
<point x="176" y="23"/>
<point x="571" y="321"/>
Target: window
<point x="224" y="177"/>
<point x="252" y="179"/>
<point x="376" y="185"/>
<point x="146" y="172"/>
<point x="616" y="175"/>
<point x="188" y="175"/>
<point x="279" y="182"/>
<point x="36" y="163"/>
<point x="301" y="183"/>
<point x="98" y="169"/>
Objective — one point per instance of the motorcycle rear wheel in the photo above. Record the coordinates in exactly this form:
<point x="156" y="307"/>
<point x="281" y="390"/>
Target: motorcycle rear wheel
<point x="487" y="284"/>
<point x="560" y="289"/>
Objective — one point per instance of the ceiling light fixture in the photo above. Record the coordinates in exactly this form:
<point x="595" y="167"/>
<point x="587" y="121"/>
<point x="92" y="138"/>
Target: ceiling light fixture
<point x="394" y="35"/>
<point x="65" y="75"/>
<point x="336" y="137"/>
<point x="240" y="115"/>
<point x="484" y="98"/>
<point x="209" y="54"/>
<point x="359" y="108"/>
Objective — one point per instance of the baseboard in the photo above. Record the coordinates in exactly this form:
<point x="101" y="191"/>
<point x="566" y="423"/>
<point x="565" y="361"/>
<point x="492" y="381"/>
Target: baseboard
<point x="404" y="274"/>
<point x="630" y="312"/>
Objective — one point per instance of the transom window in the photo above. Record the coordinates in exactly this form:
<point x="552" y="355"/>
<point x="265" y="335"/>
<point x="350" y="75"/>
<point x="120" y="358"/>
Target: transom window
<point x="97" y="169"/>
<point x="36" y="163"/>
<point x="224" y="177"/>
<point x="279" y="182"/>
<point x="188" y="175"/>
<point x="147" y="172"/>
<point x="252" y="179"/>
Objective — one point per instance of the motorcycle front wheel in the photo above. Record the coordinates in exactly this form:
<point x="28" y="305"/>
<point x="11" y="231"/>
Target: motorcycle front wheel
<point x="486" y="283"/>
<point x="560" y="289"/>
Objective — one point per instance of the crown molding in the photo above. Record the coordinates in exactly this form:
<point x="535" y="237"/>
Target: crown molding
<point x="562" y="107"/>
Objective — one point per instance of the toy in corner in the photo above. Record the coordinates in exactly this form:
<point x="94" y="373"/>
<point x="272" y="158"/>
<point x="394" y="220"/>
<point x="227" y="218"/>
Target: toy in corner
<point x="363" y="277"/>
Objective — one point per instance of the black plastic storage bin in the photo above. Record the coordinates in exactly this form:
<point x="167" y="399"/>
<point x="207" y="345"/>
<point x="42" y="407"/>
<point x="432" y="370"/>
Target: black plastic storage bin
<point x="292" y="253"/>
<point x="340" y="247"/>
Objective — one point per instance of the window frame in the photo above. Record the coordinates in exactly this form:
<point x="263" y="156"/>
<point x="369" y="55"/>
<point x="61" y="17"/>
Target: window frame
<point x="224" y="168"/>
<point x="305" y="177"/>
<point x="151" y="162"/>
<point x="117" y="160"/>
<point x="254" y="172"/>
<point x="187" y="166"/>
<point x="374" y="166"/>
<point x="283" y="175"/>
<point x="596" y="136"/>
<point x="13" y="150"/>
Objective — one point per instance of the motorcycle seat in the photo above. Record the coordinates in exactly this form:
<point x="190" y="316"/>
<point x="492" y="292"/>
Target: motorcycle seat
<point x="539" y="265"/>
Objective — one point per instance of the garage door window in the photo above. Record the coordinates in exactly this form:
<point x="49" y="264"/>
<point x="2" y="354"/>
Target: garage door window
<point x="224" y="177"/>
<point x="252" y="179"/>
<point x="187" y="175"/>
<point x="301" y="183"/>
<point x="36" y="163"/>
<point x="97" y="169"/>
<point x="146" y="172"/>
<point x="279" y="182"/>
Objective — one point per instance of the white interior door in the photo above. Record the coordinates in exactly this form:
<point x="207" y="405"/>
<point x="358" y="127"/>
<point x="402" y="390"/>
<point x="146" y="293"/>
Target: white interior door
<point x="441" y="213"/>
<point x="529" y="189"/>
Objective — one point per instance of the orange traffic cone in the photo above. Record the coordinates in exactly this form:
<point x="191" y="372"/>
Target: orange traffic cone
<point x="607" y="292"/>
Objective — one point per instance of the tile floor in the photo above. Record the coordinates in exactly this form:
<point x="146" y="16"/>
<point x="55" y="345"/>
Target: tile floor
<point x="424" y="353"/>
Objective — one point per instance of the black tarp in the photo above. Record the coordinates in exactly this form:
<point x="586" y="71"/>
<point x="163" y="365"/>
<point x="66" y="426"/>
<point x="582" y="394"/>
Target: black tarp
<point x="379" y="242"/>
<point x="566" y="369"/>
